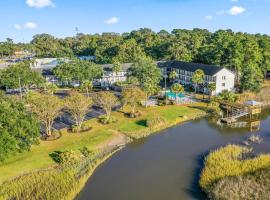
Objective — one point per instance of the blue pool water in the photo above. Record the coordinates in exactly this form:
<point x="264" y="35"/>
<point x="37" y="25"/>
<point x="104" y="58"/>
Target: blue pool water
<point x="173" y="95"/>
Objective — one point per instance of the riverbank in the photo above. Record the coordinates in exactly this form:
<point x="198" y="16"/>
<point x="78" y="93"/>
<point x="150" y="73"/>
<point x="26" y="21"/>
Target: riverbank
<point x="99" y="137"/>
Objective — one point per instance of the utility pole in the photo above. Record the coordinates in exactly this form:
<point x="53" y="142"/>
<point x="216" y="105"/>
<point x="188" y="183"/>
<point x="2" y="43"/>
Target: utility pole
<point x="20" y="88"/>
<point x="165" y="76"/>
<point x="77" y="31"/>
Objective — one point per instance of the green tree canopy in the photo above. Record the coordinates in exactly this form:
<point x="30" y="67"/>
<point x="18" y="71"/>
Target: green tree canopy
<point x="198" y="78"/>
<point x="177" y="89"/>
<point x="133" y="96"/>
<point x="78" y="70"/>
<point x="18" y="128"/>
<point x="147" y="73"/>
<point x="20" y="75"/>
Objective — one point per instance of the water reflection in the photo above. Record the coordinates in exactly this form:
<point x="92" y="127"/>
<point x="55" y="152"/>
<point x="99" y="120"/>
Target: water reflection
<point x="167" y="165"/>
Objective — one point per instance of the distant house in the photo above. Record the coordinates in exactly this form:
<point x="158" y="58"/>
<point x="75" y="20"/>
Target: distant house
<point x="109" y="77"/>
<point x="45" y="66"/>
<point x="222" y="77"/>
<point x="45" y="63"/>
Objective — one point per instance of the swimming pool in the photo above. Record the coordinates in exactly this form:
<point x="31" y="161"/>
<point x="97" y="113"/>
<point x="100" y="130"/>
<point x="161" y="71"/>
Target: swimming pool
<point x="172" y="95"/>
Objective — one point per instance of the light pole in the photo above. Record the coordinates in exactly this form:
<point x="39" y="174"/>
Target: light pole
<point x="165" y="76"/>
<point x="20" y="87"/>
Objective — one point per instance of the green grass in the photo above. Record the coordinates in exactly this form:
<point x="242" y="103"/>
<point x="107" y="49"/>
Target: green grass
<point x="99" y="136"/>
<point x="172" y="115"/>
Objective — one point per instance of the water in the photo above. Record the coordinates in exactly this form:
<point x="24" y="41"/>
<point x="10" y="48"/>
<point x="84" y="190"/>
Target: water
<point x="166" y="166"/>
<point x="172" y="95"/>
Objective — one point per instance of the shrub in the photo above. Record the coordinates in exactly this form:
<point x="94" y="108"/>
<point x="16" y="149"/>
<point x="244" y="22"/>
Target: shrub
<point x="77" y="129"/>
<point x="70" y="158"/>
<point x="85" y="152"/>
<point x="230" y="161"/>
<point x="214" y="108"/>
<point x="155" y="122"/>
<point x="107" y="120"/>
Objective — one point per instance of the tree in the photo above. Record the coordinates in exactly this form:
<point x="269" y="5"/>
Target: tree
<point x="198" y="78"/>
<point x="19" y="129"/>
<point x="7" y="48"/>
<point x="51" y="88"/>
<point x="77" y="70"/>
<point x="173" y="75"/>
<point x="133" y="96"/>
<point x="21" y="76"/>
<point x="227" y="96"/>
<point x="129" y="51"/>
<point x="46" y="108"/>
<point x="177" y="89"/>
<point x="106" y="100"/>
<point x="147" y="73"/>
<point x="87" y="86"/>
<point x="77" y="105"/>
<point x="251" y="78"/>
<point x="211" y="89"/>
<point x="116" y="66"/>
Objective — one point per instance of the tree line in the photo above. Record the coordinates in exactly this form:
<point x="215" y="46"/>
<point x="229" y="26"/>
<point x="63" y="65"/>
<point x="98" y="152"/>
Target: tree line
<point x="247" y="54"/>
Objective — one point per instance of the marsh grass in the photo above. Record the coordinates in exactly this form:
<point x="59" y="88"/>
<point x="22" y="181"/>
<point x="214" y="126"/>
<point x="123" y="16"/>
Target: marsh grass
<point x="61" y="182"/>
<point x="228" y="162"/>
<point x="251" y="186"/>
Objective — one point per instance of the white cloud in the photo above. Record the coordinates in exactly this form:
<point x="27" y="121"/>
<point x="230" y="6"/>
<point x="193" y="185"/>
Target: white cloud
<point x="39" y="3"/>
<point x="236" y="10"/>
<point x="209" y="17"/>
<point x="17" y="26"/>
<point x="30" y="25"/>
<point x="112" y="20"/>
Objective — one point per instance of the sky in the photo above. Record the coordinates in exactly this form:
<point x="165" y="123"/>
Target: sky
<point x="21" y="19"/>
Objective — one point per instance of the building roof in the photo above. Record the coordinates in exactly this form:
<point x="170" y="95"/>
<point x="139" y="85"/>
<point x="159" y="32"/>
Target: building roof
<point x="192" y="67"/>
<point x="124" y="67"/>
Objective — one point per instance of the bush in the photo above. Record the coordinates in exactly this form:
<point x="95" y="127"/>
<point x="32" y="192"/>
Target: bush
<point x="214" y="108"/>
<point x="230" y="161"/>
<point x="70" y="158"/>
<point x="85" y="152"/>
<point x="135" y="114"/>
<point x="155" y="122"/>
<point x="106" y="120"/>
<point x="76" y="129"/>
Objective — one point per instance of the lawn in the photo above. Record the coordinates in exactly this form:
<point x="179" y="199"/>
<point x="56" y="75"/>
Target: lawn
<point x="97" y="137"/>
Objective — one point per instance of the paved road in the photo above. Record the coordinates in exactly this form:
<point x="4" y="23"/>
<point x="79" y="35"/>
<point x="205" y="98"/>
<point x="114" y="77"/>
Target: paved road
<point x="66" y="121"/>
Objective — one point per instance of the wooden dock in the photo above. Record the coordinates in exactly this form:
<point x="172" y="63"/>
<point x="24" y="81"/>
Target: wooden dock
<point x="236" y="111"/>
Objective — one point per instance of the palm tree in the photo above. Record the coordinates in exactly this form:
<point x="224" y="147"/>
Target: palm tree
<point x="173" y="75"/>
<point x="177" y="89"/>
<point x="228" y="96"/>
<point x="211" y="88"/>
<point x="198" y="78"/>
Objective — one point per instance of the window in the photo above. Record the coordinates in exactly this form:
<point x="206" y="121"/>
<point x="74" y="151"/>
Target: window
<point x="223" y="77"/>
<point x="223" y="85"/>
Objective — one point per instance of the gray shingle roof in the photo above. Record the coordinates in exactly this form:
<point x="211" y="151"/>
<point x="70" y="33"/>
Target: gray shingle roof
<point x="124" y="66"/>
<point x="192" y="67"/>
